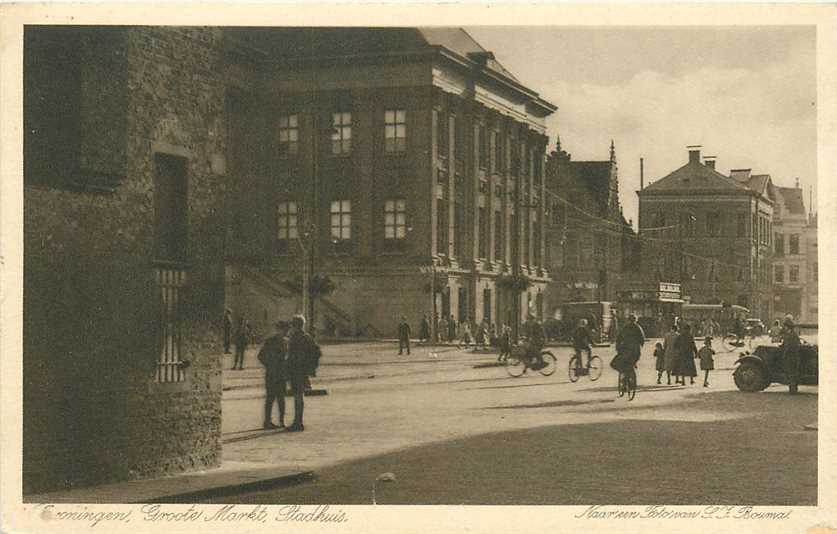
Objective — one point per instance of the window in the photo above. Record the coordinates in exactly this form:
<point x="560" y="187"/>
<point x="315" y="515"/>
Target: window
<point x="793" y="277"/>
<point x="687" y="225"/>
<point x="779" y="274"/>
<point x="459" y="146"/>
<point x="600" y="250"/>
<point x="341" y="220"/>
<point x="499" y="160"/>
<point x="341" y="137"/>
<point x="515" y="156"/>
<point x="441" y="226"/>
<point x="442" y="139"/>
<point x="754" y="225"/>
<point x="537" y="161"/>
<point x="794" y="244"/>
<point x="395" y="131"/>
<point x="741" y="226"/>
<point x="395" y="219"/>
<point x="483" y="142"/>
<point x="170" y="208"/>
<point x="458" y="227"/>
<point x="713" y="223"/>
<point x="498" y="236"/>
<point x="483" y="237"/>
<point x="288" y="135"/>
<point x="486" y="305"/>
<point x="536" y="237"/>
<point x="287" y="221"/>
<point x="779" y="244"/>
<point x="463" y="304"/>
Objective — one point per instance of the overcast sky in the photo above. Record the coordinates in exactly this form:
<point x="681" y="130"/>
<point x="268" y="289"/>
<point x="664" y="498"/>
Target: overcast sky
<point x="747" y="95"/>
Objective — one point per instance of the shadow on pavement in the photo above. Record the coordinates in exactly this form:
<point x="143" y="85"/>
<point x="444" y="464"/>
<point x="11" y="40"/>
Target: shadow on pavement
<point x="554" y="404"/>
<point x="551" y="383"/>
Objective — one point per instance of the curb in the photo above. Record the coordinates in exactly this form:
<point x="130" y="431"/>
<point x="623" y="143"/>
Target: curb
<point x="231" y="489"/>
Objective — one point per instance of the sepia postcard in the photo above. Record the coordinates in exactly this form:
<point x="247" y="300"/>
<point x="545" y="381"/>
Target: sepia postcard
<point x="418" y="267"/>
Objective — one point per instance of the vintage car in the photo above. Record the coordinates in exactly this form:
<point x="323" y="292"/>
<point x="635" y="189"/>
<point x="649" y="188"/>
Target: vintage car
<point x="765" y="365"/>
<point x="755" y="327"/>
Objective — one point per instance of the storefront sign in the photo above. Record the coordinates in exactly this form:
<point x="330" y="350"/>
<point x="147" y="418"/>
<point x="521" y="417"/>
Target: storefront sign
<point x="668" y="291"/>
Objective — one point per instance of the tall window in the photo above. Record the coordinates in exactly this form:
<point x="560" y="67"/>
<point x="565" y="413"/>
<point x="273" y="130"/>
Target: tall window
<point x="687" y="226"/>
<point x="499" y="160"/>
<point x="794" y="244"/>
<point x="793" y="278"/>
<point x="459" y="146"/>
<point x="341" y="220"/>
<point x="483" y="238"/>
<point x="341" y="137"/>
<point x="483" y="143"/>
<point x="741" y="227"/>
<point x="287" y="220"/>
<point x="441" y="226"/>
<point x="288" y="135"/>
<point x="779" y="244"/>
<point x="486" y="305"/>
<point x="713" y="223"/>
<point x="395" y="219"/>
<point x="442" y="139"/>
<point x="458" y="227"/>
<point x="779" y="274"/>
<point x="498" y="236"/>
<point x="395" y="131"/>
<point x="170" y="208"/>
<point x="536" y="236"/>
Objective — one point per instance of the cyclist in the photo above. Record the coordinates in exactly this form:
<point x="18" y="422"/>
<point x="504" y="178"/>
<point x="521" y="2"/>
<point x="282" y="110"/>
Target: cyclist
<point x="535" y="341"/>
<point x="629" y="342"/>
<point x="582" y="342"/>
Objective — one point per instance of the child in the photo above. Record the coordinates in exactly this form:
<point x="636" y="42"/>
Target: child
<point x="707" y="362"/>
<point x="660" y="356"/>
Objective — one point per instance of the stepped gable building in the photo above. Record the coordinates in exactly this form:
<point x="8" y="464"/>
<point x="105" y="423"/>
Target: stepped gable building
<point x="590" y="243"/>
<point x="711" y="233"/>
<point x="374" y="157"/>
<point x="123" y="189"/>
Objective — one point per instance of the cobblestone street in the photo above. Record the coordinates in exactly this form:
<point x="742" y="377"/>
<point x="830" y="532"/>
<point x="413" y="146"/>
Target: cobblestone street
<point x="454" y="433"/>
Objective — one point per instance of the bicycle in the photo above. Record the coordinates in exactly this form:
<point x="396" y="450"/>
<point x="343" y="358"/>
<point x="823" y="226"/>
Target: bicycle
<point x="627" y="385"/>
<point x="592" y="370"/>
<point x="518" y="362"/>
<point x="731" y="341"/>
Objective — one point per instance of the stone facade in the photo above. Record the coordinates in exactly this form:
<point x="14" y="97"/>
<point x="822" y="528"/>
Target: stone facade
<point x="711" y="233"/>
<point x="590" y="243"/>
<point x="127" y="106"/>
<point x="411" y="136"/>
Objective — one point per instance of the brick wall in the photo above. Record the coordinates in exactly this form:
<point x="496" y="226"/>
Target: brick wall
<point x="92" y="410"/>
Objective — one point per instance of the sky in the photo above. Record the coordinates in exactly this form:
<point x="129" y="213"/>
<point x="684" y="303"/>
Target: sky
<point x="745" y="94"/>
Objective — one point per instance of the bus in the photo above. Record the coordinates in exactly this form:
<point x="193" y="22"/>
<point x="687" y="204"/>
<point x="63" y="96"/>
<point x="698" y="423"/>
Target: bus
<point x="723" y="314"/>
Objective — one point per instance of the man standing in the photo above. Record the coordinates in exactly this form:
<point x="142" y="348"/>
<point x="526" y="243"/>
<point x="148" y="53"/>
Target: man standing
<point x="424" y="329"/>
<point x="790" y="354"/>
<point x="228" y="324"/>
<point x="403" y="336"/>
<point x="272" y="356"/>
<point x="303" y="359"/>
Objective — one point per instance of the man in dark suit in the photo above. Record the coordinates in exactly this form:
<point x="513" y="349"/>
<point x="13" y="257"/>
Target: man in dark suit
<point x="228" y="325"/>
<point x="303" y="359"/>
<point x="273" y="356"/>
<point x="403" y="336"/>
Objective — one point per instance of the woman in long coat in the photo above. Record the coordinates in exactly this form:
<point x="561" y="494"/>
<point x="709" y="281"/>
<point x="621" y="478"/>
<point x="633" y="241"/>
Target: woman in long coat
<point x="686" y="351"/>
<point x="670" y="357"/>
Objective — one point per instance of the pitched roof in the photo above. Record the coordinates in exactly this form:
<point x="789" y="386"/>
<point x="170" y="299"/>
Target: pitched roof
<point x="792" y="199"/>
<point x="694" y="177"/>
<point x="459" y="41"/>
<point x="759" y="183"/>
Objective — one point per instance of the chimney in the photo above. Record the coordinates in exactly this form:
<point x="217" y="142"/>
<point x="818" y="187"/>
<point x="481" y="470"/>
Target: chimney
<point x="694" y="154"/>
<point x="641" y="174"/>
<point x="797" y="183"/>
<point x="709" y="161"/>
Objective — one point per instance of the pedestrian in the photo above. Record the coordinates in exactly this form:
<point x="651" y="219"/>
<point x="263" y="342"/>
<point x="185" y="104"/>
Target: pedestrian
<point x="242" y="339"/>
<point x="479" y="337"/>
<point x="442" y="330"/>
<point x="403" y="336"/>
<point x="670" y="356"/>
<point x="707" y="360"/>
<point x="303" y="359"/>
<point x="660" y="362"/>
<point x="493" y="338"/>
<point x="272" y="356"/>
<point x="505" y="344"/>
<point x="614" y="326"/>
<point x="424" y="329"/>
<point x="790" y="354"/>
<point x="452" y="329"/>
<point x="629" y="342"/>
<point x="465" y="329"/>
<point x="686" y="353"/>
<point x="228" y="325"/>
<point x="776" y="331"/>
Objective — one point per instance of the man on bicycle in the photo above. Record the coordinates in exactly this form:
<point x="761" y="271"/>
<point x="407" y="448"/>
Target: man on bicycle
<point x="629" y="343"/>
<point x="582" y="342"/>
<point x="535" y="341"/>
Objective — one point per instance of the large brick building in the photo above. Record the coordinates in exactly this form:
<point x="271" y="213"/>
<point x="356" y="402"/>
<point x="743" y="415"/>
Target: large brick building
<point x="123" y="260"/>
<point x="590" y="243"/>
<point x="374" y="157"/>
<point x="711" y="233"/>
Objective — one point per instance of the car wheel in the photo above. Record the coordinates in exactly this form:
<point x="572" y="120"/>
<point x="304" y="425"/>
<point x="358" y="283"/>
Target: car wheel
<point x="750" y="377"/>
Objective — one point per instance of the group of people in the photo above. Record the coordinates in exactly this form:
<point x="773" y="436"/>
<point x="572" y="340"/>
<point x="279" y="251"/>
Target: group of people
<point x="481" y="335"/>
<point x="676" y="355"/>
